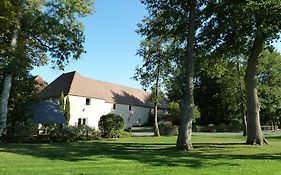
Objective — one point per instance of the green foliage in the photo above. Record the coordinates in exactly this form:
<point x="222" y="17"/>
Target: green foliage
<point x="221" y="127"/>
<point x="167" y="128"/>
<point x="46" y="27"/>
<point x="59" y="133"/>
<point x="39" y="28"/>
<point x="175" y="111"/>
<point x="65" y="107"/>
<point x="221" y="97"/>
<point x="67" y="110"/>
<point x="157" y="64"/>
<point x="22" y="93"/>
<point x="172" y="28"/>
<point x="234" y="25"/>
<point x="125" y="134"/>
<point x="156" y="98"/>
<point x="21" y="132"/>
<point x="196" y="113"/>
<point x="61" y="102"/>
<point x="243" y="28"/>
<point x="111" y="125"/>
<point x="269" y="86"/>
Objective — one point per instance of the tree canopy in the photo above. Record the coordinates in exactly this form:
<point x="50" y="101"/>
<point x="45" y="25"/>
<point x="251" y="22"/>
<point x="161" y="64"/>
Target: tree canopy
<point x="37" y="32"/>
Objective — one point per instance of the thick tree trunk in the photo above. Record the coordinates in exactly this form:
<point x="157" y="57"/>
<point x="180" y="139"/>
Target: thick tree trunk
<point x="185" y="129"/>
<point x="8" y="79"/>
<point x="254" y="133"/>
<point x="4" y="103"/>
<point x="156" y="128"/>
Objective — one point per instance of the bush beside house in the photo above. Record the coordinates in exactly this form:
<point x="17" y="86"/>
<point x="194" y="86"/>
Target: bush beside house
<point x="111" y="125"/>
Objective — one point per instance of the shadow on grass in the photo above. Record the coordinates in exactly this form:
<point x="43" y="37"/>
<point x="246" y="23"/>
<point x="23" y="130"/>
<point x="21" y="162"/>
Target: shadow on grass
<point x="273" y="137"/>
<point x="149" y="153"/>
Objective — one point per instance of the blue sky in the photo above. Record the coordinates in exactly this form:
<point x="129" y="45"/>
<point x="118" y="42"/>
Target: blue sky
<point x="111" y="44"/>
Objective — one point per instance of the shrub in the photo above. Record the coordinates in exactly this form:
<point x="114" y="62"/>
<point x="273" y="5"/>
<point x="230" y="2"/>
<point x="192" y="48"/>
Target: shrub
<point x="166" y="128"/>
<point x="58" y="133"/>
<point x="22" y="132"/>
<point x="54" y="133"/>
<point x="204" y="129"/>
<point x="221" y="127"/>
<point x="217" y="128"/>
<point x="211" y="128"/>
<point x="234" y="128"/>
<point x="125" y="134"/>
<point x="111" y="125"/>
<point x="85" y="132"/>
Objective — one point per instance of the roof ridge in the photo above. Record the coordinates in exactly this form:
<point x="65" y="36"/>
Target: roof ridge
<point x="115" y="84"/>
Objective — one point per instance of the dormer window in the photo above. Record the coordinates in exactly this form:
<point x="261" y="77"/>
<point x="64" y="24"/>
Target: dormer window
<point x="88" y="101"/>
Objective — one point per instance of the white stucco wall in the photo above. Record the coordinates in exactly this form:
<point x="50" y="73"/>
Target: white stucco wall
<point x="98" y="107"/>
<point x="137" y="116"/>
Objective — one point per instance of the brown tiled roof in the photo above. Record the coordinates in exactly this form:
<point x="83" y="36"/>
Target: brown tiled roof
<point x="73" y="83"/>
<point x="59" y="85"/>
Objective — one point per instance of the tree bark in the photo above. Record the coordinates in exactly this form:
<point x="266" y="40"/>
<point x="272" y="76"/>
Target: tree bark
<point x="4" y="103"/>
<point x="185" y="129"/>
<point x="244" y="120"/>
<point x="8" y="78"/>
<point x="156" y="128"/>
<point x="254" y="132"/>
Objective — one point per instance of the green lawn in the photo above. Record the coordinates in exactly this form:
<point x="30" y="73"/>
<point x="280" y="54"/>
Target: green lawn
<point x="215" y="154"/>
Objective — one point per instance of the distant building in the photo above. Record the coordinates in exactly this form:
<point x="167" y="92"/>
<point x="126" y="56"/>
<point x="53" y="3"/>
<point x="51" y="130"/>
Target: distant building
<point x="90" y="99"/>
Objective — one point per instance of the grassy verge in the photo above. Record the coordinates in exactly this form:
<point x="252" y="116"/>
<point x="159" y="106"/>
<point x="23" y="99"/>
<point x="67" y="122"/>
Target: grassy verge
<point x="213" y="155"/>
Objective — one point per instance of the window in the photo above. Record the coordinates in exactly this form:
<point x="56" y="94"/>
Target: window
<point x="88" y="101"/>
<point x="114" y="106"/>
<point x="130" y="108"/>
<point x="82" y="121"/>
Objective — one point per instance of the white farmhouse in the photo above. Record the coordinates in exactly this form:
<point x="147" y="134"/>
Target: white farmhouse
<point x="90" y="99"/>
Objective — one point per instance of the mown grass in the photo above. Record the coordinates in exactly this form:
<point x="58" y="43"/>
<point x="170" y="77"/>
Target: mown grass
<point x="213" y="155"/>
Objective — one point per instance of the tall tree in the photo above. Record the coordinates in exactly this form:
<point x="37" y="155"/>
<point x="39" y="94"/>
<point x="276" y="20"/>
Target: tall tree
<point x="244" y="27"/>
<point x="8" y="78"/>
<point x="41" y="27"/>
<point x="155" y="70"/>
<point x="61" y="102"/>
<point x="185" y="129"/>
<point x="67" y="110"/>
<point x="175" y="23"/>
<point x="156" y="128"/>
